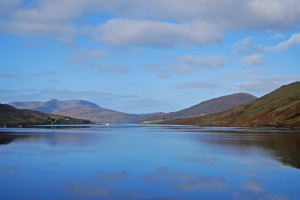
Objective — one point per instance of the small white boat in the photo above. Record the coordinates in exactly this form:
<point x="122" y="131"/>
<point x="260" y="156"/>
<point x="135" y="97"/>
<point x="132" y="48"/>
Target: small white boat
<point x="107" y="124"/>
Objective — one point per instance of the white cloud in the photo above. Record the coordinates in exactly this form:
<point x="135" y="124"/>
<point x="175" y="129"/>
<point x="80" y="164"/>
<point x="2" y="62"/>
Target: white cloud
<point x="253" y="59"/>
<point x="8" y="6"/>
<point x="246" y="46"/>
<point x="252" y="52"/>
<point x="275" y="14"/>
<point x="204" y="62"/>
<point x="187" y="64"/>
<point x="293" y="40"/>
<point x="104" y="67"/>
<point x="63" y="32"/>
<point x="146" y="23"/>
<point x="132" y="32"/>
<point x="90" y="58"/>
<point x="243" y="42"/>
<point x="262" y="85"/>
<point x="83" y="56"/>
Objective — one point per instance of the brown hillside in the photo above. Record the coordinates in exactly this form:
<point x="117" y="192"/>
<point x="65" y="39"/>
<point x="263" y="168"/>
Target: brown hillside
<point x="207" y="107"/>
<point x="280" y="108"/>
<point x="98" y="114"/>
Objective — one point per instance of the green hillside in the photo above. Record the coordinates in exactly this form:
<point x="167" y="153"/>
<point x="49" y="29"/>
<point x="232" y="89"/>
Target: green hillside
<point x="10" y="116"/>
<point x="280" y="108"/>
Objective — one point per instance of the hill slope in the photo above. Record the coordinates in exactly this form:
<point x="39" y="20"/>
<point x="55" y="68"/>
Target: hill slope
<point x="279" y="108"/>
<point x="10" y="116"/>
<point x="207" y="107"/>
<point x="98" y="114"/>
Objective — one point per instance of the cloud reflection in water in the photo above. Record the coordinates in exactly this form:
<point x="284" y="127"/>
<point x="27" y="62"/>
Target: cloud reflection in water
<point x="185" y="180"/>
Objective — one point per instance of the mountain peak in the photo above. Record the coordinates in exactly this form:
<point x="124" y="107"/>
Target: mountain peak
<point x="51" y="105"/>
<point x="53" y="100"/>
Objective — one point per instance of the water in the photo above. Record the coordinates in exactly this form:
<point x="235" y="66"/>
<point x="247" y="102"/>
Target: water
<point x="129" y="161"/>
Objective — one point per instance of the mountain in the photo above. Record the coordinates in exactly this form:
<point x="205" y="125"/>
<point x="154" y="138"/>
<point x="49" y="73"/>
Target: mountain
<point x="10" y="116"/>
<point x="80" y="109"/>
<point x="91" y="111"/>
<point x="52" y="105"/>
<point x="280" y="108"/>
<point x="207" y="107"/>
<point x="98" y="114"/>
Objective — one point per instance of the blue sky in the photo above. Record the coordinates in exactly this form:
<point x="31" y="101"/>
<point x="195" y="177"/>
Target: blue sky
<point x="146" y="56"/>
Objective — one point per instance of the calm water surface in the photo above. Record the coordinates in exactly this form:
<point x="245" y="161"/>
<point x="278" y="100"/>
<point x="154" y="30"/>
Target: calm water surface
<point x="128" y="161"/>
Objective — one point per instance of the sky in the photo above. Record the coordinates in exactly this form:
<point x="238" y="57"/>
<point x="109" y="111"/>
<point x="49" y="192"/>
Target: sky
<point x="142" y="56"/>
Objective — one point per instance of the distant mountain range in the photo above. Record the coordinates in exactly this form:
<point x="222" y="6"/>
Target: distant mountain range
<point x="10" y="116"/>
<point x="80" y="109"/>
<point x="280" y="108"/>
<point x="207" y="107"/>
<point x="52" y="105"/>
<point x="91" y="111"/>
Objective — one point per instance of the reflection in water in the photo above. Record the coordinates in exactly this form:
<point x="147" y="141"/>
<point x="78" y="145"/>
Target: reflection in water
<point x="50" y="138"/>
<point x="129" y="161"/>
<point x="281" y="145"/>
<point x="253" y="185"/>
<point x="6" y="138"/>
<point x="93" y="186"/>
<point x="185" y="180"/>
